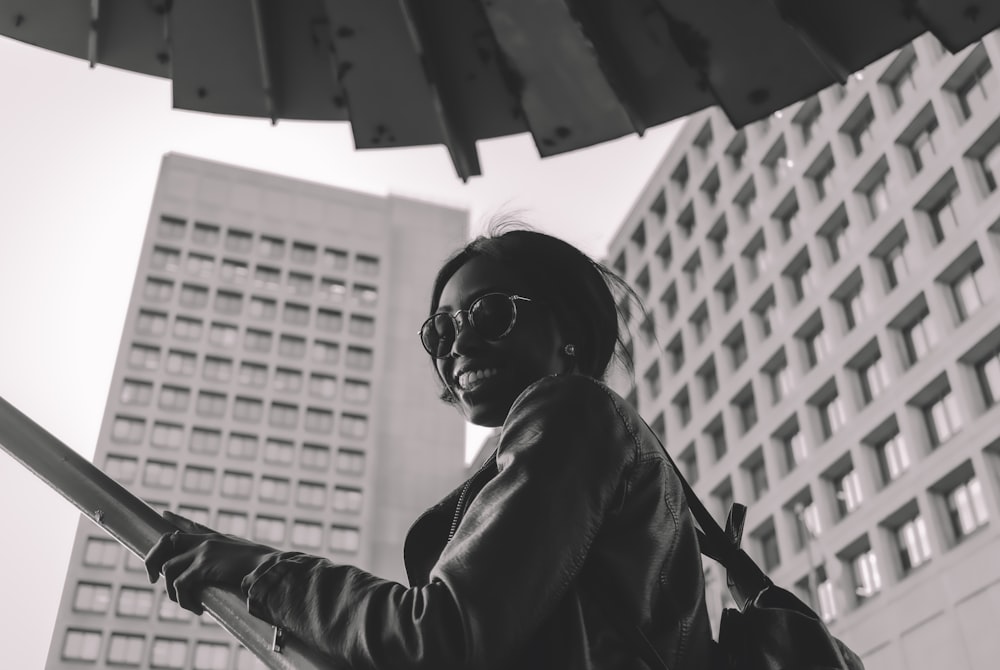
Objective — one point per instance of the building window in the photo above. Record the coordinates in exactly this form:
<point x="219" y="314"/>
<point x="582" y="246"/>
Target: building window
<point x="193" y="296"/>
<point x="279" y="452"/>
<point x="90" y="597"/>
<point x="777" y="162"/>
<point x="793" y="447"/>
<point x="807" y="118"/>
<point x="799" y="276"/>
<point x="158" y="290"/>
<point x="236" y="484"/>
<point x="168" y="653"/>
<point x="901" y="83"/>
<point x="966" y="507"/>
<point x="364" y="295"/>
<point x="718" y="237"/>
<point x="975" y="90"/>
<point x="315" y="456"/>
<point x="689" y="464"/>
<point x="174" y="398"/>
<point x="942" y="215"/>
<point x="700" y="324"/>
<point x="877" y="196"/>
<point x="159" y="474"/>
<point x="334" y="259"/>
<point x="181" y="363"/>
<point x="859" y="128"/>
<point x="767" y="547"/>
<point x="134" y="392"/>
<point x="709" y="380"/>
<point x="217" y="369"/>
<point x="847" y="492"/>
<point x="831" y="415"/>
<point x="717" y="438"/>
<point x="836" y="236"/>
<point x="121" y="468"/>
<point x="126" y="649"/>
<point x="821" y="175"/>
<point x="912" y="544"/>
<point x="210" y="404"/>
<point x="969" y="290"/>
<point x="234" y="523"/>
<point x="894" y="262"/>
<point x="211" y="656"/>
<point x="746" y="407"/>
<point x="361" y="326"/>
<point x="171" y="228"/>
<point x="766" y="313"/>
<point x="919" y="336"/>
<point x="265" y="309"/>
<point x="223" y="334"/>
<point x="746" y="200"/>
<point x="942" y="418"/>
<point x="873" y="378"/>
<point x="135" y="602"/>
<point x="737" y="150"/>
<point x="359" y="358"/>
<point x="283" y="415"/>
<point x="332" y="290"/>
<point x="303" y="254"/>
<point x="347" y="499"/>
<point x="252" y="374"/>
<point x="329" y="320"/>
<point x="292" y="346"/>
<point x="682" y="405"/>
<point x="779" y="378"/>
<point x="354" y="425"/>
<point x="326" y="352"/>
<point x="242" y="446"/>
<point x="311" y="494"/>
<point x="128" y="430"/>
<point x="756" y="257"/>
<point x="234" y="271"/>
<point x="101" y="553"/>
<point x="206" y="441"/>
<point x="271" y="247"/>
<point x="756" y="474"/>
<point x="81" y="645"/>
<point x="852" y="305"/>
<point x="814" y="342"/>
<point x="198" y="480"/>
<point x="345" y="539"/>
<point x="300" y="283"/>
<point x="367" y="265"/>
<point x="988" y="165"/>
<point x="664" y="251"/>
<point x="205" y="234"/>
<point x="322" y="386"/>
<point x="893" y="457"/>
<point x="165" y="258"/>
<point x="988" y="374"/>
<point x="258" y="341"/>
<point x="350" y="461"/>
<point x="922" y="147"/>
<point x="639" y="236"/>
<point x="693" y="271"/>
<point x="274" y="489"/>
<point x="737" y="344"/>
<point x="151" y="323"/>
<point x="319" y="420"/>
<point x="288" y="380"/>
<point x="308" y="534"/>
<point x="865" y="575"/>
<point x="670" y="302"/>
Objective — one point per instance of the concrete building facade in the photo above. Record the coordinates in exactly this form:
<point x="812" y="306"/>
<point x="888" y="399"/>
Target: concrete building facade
<point x="823" y="344"/>
<point x="269" y="384"/>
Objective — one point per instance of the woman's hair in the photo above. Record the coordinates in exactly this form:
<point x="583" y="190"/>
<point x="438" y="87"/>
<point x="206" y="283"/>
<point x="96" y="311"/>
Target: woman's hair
<point x="579" y="290"/>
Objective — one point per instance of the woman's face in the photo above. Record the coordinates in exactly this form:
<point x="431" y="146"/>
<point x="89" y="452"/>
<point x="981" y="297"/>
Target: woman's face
<point x="502" y="369"/>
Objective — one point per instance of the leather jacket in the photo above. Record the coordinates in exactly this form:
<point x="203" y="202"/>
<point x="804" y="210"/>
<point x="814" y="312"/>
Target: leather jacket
<point x="573" y="532"/>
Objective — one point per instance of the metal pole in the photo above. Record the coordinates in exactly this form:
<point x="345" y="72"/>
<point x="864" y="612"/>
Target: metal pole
<point x="137" y="526"/>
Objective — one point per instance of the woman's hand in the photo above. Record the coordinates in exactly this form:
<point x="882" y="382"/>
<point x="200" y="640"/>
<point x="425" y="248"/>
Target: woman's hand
<point x="197" y="556"/>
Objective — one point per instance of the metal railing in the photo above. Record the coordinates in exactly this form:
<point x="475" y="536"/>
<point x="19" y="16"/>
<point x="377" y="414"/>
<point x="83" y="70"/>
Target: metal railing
<point x="137" y="527"/>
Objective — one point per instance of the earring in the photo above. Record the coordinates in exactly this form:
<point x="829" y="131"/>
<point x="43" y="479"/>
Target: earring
<point x="569" y="350"/>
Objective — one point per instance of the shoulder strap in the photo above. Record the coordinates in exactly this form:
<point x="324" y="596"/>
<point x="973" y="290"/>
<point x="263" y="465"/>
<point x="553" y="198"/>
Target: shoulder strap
<point x="746" y="580"/>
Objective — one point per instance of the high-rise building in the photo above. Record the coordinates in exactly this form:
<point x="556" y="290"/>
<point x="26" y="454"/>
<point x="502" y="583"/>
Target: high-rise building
<point x="269" y="384"/>
<point x="823" y="344"/>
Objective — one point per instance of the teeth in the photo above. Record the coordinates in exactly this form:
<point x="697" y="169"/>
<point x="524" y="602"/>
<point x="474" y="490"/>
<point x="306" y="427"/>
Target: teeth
<point x="470" y="378"/>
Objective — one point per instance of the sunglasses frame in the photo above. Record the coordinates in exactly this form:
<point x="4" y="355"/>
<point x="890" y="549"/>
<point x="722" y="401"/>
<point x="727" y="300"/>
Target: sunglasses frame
<point x="513" y="298"/>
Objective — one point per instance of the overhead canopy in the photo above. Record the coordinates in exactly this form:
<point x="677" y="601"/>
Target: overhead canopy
<point x="415" y="72"/>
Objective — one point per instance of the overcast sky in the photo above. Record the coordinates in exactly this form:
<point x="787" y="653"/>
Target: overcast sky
<point x="79" y="154"/>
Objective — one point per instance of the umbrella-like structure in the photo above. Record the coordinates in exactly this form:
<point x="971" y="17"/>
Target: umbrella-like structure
<point x="415" y="72"/>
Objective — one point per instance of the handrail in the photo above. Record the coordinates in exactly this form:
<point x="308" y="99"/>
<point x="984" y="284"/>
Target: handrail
<point x="137" y="527"/>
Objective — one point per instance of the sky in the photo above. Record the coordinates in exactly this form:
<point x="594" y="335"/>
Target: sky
<point x="79" y="153"/>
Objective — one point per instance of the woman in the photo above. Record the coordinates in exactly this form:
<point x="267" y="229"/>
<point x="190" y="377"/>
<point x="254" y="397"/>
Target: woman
<point x="571" y="548"/>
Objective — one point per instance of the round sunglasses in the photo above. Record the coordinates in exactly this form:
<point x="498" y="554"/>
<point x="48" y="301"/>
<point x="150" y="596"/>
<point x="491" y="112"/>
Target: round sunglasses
<point x="492" y="316"/>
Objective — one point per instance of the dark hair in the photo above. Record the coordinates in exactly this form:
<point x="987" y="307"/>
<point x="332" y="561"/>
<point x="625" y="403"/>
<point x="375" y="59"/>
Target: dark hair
<point x="579" y="290"/>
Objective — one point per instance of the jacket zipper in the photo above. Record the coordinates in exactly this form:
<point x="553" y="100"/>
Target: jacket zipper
<point x="463" y="496"/>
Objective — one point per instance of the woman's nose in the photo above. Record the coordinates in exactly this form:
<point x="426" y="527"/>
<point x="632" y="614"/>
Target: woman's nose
<point x="466" y="338"/>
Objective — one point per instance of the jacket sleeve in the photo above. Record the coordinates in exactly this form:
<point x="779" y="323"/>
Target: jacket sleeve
<point x="562" y="457"/>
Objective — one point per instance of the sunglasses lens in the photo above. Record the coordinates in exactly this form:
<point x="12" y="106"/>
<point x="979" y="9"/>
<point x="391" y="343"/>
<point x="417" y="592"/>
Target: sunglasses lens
<point x="492" y="315"/>
<point x="438" y="335"/>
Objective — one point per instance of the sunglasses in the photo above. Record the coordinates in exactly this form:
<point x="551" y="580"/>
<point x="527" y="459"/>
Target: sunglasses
<point x="491" y="316"/>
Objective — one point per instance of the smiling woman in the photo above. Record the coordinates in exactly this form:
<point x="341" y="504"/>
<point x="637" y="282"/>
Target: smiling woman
<point x="572" y="547"/>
